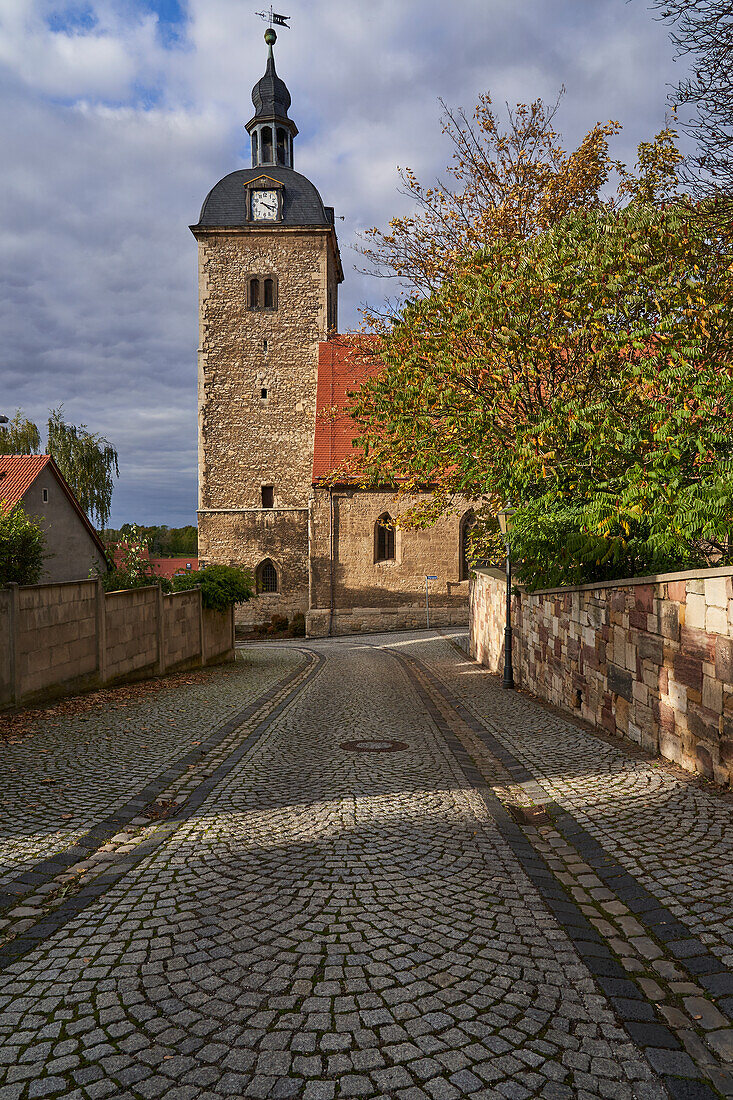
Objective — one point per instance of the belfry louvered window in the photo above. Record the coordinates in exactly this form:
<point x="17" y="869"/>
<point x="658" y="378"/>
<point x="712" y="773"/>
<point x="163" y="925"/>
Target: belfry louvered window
<point x="262" y="292"/>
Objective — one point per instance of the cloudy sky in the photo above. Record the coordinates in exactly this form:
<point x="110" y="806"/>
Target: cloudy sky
<point x="119" y="115"/>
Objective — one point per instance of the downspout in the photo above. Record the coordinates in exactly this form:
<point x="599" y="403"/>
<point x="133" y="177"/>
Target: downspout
<point x="330" y="540"/>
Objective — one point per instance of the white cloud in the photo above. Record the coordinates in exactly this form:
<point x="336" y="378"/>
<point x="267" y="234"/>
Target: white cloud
<point x="112" y="138"/>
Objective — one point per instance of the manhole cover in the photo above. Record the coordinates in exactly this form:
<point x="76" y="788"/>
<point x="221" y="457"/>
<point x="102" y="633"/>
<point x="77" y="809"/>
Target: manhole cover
<point x="373" y="746"/>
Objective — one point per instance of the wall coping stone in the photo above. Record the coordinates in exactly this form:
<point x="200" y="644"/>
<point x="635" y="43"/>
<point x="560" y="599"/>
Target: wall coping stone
<point x="625" y="582"/>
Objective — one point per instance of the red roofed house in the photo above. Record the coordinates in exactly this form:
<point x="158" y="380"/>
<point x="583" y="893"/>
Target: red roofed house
<point x="72" y="544"/>
<point x="269" y="272"/>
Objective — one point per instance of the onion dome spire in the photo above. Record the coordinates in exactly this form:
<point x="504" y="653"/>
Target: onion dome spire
<point x="271" y="130"/>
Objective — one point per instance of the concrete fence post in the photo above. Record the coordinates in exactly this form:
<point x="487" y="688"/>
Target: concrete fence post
<point x="234" y="629"/>
<point x="161" y="632"/>
<point x="202" y="628"/>
<point x="101" y="632"/>
<point x="14" y="643"/>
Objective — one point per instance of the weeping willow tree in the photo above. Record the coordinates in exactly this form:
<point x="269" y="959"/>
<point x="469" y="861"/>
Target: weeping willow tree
<point x="88" y="461"/>
<point x="20" y="437"/>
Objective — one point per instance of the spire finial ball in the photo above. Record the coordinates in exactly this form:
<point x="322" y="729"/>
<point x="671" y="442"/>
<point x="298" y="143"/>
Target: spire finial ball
<point x="270" y="36"/>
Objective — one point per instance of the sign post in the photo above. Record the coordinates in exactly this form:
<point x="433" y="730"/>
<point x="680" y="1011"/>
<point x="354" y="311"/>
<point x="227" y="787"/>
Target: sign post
<point x="427" y="598"/>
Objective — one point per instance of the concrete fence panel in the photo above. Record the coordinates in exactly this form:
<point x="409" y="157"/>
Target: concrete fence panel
<point x="648" y="658"/>
<point x="57" y="639"/>
<point x="182" y="611"/>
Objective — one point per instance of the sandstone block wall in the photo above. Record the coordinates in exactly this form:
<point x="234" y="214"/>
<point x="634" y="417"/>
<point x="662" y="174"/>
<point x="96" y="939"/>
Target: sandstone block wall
<point x="57" y="639"/>
<point x="375" y="620"/>
<point x="650" y="659"/>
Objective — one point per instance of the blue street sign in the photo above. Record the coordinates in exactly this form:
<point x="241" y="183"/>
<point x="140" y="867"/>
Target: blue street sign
<point x="431" y="578"/>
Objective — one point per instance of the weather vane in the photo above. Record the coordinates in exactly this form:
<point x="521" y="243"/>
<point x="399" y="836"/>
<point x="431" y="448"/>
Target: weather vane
<point x="273" y="18"/>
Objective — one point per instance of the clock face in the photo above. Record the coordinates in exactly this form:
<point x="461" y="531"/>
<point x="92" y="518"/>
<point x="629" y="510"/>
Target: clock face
<point x="264" y="206"/>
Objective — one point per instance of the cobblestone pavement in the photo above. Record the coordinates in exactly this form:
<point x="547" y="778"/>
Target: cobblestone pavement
<point x="466" y="915"/>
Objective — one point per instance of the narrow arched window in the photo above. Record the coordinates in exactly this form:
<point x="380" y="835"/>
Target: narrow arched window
<point x="384" y="540"/>
<point x="269" y="294"/>
<point x="468" y="522"/>
<point x="266" y="576"/>
<point x="255" y="151"/>
<point x="254" y="293"/>
<point x="266" y="145"/>
<point x="282" y="146"/>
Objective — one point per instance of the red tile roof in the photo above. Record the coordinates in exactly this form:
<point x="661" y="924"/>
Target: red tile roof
<point x="339" y="373"/>
<point x="17" y="474"/>
<point x="168" y="567"/>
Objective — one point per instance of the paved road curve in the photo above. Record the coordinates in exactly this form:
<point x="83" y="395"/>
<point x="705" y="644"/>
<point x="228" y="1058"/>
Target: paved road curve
<point x="315" y="920"/>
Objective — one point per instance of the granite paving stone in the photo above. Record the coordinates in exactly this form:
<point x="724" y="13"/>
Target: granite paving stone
<point x="324" y="922"/>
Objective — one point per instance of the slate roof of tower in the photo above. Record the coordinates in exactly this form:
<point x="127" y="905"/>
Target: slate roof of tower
<point x="338" y="375"/>
<point x="270" y="95"/>
<point x="225" y="203"/>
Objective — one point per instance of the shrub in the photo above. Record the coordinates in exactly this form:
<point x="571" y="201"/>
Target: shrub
<point x="22" y="547"/>
<point x="297" y="625"/>
<point x="221" y="585"/>
<point x="279" y="624"/>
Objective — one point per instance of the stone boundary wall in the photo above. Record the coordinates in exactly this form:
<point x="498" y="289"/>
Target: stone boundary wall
<point x="648" y="658"/>
<point x="376" y="620"/>
<point x="58" y="639"/>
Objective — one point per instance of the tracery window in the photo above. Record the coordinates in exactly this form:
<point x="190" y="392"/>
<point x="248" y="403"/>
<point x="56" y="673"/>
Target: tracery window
<point x="384" y="549"/>
<point x="266" y="576"/>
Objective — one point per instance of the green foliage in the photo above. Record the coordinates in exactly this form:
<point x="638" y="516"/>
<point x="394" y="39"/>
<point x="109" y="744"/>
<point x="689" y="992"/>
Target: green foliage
<point x="20" y="436"/>
<point x="132" y="568"/>
<point x="221" y="585"/>
<point x="297" y="625"/>
<point x="87" y="461"/>
<point x="585" y="374"/>
<point x="162" y="541"/>
<point x="22" y="547"/>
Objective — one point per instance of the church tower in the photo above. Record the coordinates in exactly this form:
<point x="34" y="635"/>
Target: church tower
<point x="269" y="271"/>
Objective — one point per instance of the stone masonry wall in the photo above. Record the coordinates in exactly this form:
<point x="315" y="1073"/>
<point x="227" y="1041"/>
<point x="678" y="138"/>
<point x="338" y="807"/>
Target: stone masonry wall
<point x="68" y="637"/>
<point x="245" y="538"/>
<point x="650" y="659"/>
<point x="384" y="594"/>
<point x="247" y="441"/>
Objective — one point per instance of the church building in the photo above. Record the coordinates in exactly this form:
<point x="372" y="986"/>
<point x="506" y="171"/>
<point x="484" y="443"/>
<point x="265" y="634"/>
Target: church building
<point x="273" y="381"/>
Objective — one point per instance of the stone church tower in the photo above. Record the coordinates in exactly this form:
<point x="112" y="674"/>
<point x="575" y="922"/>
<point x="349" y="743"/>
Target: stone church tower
<point x="269" y="271"/>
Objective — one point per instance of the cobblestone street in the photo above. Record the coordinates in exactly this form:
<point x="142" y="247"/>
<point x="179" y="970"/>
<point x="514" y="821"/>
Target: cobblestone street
<point x="358" y="868"/>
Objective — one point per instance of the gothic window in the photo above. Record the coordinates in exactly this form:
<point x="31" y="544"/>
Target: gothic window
<point x="266" y="576"/>
<point x="384" y="549"/>
<point x="266" y="144"/>
<point x="282" y="146"/>
<point x="254" y="294"/>
<point x="268" y="496"/>
<point x="467" y="524"/>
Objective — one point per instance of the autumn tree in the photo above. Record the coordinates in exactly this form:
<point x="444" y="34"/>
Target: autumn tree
<point x="702" y="31"/>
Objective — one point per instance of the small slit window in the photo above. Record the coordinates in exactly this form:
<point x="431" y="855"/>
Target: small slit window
<point x="385" y="540"/>
<point x="254" y="294"/>
<point x="266" y="577"/>
<point x="268" y="496"/>
<point x="263" y="393"/>
<point x="45" y="496"/>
